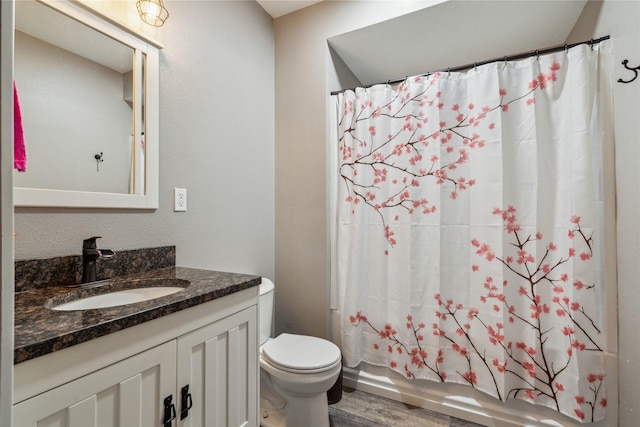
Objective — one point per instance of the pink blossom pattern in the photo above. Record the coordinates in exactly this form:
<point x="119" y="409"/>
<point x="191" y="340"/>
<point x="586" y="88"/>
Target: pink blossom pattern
<point x="543" y="308"/>
<point x="415" y="151"/>
<point x="445" y="286"/>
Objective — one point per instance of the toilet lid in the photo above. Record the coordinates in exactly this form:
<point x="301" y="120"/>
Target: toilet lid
<point x="301" y="352"/>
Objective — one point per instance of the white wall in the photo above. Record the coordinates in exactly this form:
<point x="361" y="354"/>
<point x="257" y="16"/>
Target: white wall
<point x="55" y="87"/>
<point x="304" y="77"/>
<point x="216" y="140"/>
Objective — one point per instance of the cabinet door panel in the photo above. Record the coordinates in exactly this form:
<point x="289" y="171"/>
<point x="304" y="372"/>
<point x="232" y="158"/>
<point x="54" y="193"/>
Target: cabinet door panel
<point x="131" y="406"/>
<point x="127" y="393"/>
<point x="214" y="390"/>
<point x="219" y="363"/>
<point x="83" y="414"/>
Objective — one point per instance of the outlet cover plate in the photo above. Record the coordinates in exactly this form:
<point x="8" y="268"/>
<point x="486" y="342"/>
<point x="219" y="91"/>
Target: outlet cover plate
<point x="180" y="199"/>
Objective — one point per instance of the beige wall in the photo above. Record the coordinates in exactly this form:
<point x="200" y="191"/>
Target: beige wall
<point x="304" y="77"/>
<point x="216" y="75"/>
<point x="303" y="68"/>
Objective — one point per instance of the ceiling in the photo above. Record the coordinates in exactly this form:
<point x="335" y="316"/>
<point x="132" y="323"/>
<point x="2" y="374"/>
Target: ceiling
<point x="277" y="8"/>
<point x="454" y="33"/>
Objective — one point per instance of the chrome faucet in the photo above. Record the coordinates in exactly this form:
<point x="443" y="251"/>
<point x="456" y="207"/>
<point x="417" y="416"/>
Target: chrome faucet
<point x="90" y="254"/>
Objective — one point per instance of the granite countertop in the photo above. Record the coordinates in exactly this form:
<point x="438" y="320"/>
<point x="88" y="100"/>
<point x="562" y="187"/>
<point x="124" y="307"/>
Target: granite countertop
<point x="40" y="330"/>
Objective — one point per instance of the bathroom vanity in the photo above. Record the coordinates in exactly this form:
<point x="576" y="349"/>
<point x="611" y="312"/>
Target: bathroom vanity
<point x="189" y="358"/>
<point x="185" y="359"/>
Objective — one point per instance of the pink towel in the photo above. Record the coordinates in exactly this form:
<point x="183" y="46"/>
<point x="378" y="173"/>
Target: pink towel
<point x="19" y="152"/>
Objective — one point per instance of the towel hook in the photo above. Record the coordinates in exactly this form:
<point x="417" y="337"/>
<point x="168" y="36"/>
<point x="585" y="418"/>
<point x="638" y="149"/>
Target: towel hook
<point x="99" y="160"/>
<point x="634" y="69"/>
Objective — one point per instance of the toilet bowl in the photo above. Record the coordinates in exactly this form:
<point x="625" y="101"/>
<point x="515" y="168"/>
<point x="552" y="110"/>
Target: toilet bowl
<point x="296" y="371"/>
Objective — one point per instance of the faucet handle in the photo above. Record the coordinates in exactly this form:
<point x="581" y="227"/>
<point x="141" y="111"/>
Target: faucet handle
<point x="90" y="243"/>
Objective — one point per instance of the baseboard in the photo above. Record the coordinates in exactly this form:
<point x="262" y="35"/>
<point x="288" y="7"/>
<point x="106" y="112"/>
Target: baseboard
<point x="456" y="400"/>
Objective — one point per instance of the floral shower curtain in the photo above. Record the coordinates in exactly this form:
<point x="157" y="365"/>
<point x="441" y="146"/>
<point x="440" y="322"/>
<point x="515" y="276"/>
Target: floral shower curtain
<point x="467" y="242"/>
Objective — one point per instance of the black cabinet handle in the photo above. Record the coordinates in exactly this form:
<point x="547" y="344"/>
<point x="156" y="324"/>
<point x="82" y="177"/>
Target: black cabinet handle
<point x="186" y="403"/>
<point x="169" y="411"/>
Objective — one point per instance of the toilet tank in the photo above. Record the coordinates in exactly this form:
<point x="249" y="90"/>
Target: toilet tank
<point x="265" y="309"/>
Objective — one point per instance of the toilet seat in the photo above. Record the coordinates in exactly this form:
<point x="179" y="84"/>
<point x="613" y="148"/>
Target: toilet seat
<point x="301" y="354"/>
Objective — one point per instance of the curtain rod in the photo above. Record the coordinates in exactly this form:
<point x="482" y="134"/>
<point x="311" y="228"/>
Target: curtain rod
<point x="505" y="58"/>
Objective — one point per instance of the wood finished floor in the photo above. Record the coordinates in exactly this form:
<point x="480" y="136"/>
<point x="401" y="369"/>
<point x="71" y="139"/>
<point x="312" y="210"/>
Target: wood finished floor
<point x="357" y="409"/>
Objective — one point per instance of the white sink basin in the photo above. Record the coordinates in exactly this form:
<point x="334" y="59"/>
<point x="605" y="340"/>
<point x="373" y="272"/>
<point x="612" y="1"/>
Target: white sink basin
<point x="112" y="299"/>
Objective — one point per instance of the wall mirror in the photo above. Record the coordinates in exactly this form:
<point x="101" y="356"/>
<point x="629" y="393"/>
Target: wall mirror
<point x="88" y="90"/>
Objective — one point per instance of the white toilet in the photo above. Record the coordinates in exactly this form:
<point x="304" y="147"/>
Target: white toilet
<point x="296" y="371"/>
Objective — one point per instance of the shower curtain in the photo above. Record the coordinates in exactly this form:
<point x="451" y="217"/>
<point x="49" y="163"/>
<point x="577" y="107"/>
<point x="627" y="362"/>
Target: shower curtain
<point x="467" y="228"/>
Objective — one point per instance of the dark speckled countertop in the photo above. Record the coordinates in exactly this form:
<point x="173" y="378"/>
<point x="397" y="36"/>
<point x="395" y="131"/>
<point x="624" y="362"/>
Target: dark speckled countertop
<point x="40" y="330"/>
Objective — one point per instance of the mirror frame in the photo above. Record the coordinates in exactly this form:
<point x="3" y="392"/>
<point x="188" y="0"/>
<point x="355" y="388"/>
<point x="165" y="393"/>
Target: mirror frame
<point x="142" y="45"/>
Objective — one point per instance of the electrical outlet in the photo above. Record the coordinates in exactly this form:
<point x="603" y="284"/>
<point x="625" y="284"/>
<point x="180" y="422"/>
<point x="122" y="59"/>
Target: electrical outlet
<point x="180" y="199"/>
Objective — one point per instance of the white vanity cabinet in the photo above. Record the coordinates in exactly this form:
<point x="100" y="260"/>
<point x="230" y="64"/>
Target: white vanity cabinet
<point x="126" y="378"/>
<point x="218" y="365"/>
<point x="127" y="393"/>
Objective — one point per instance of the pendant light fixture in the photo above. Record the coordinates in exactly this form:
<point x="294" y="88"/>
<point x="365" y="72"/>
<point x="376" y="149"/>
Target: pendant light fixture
<point x="152" y="12"/>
